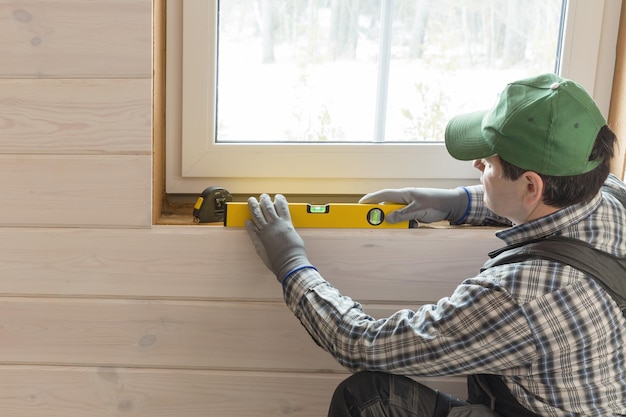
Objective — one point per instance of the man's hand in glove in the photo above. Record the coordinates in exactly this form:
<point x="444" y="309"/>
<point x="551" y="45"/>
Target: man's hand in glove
<point x="276" y="241"/>
<point x="425" y="205"/>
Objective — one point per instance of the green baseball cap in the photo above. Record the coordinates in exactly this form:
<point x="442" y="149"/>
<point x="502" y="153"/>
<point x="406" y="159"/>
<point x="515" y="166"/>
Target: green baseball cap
<point x="546" y="124"/>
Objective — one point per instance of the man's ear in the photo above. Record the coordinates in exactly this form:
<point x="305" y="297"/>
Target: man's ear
<point x="533" y="188"/>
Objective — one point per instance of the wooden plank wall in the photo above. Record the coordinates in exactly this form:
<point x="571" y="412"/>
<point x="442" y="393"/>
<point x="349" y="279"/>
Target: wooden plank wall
<point x="617" y="113"/>
<point x="186" y="321"/>
<point x="75" y="94"/>
<point x="104" y="314"/>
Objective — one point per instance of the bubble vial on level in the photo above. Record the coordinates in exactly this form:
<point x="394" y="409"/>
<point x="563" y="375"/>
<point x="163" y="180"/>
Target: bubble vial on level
<point x="375" y="216"/>
<point x="317" y="209"/>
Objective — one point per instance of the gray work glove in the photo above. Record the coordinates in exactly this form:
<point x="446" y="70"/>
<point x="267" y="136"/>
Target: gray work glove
<point x="276" y="241"/>
<point x="425" y="205"/>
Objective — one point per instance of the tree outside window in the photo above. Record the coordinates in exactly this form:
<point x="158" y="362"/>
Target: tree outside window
<point x="318" y="70"/>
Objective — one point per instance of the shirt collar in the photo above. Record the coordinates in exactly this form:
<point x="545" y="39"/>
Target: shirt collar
<point x="550" y="224"/>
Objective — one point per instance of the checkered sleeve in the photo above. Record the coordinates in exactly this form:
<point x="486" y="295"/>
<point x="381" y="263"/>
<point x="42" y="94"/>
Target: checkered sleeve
<point x="478" y="329"/>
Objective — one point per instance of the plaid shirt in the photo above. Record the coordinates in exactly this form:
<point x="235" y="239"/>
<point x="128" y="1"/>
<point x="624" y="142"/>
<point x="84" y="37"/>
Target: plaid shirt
<point x="553" y="334"/>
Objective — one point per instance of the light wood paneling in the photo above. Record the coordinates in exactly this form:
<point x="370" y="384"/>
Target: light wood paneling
<point x="103" y="392"/>
<point x="86" y="190"/>
<point x="161" y="334"/>
<point x="157" y="334"/>
<point x="239" y="352"/>
<point x="75" y="116"/>
<point x="207" y="324"/>
<point x="76" y="38"/>
<point x="217" y="263"/>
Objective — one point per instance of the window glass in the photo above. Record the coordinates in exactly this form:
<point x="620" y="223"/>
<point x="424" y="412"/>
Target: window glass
<point x="371" y="70"/>
<point x="325" y="107"/>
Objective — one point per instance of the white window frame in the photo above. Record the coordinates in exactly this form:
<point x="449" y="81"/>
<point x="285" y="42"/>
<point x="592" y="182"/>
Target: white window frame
<point x="194" y="161"/>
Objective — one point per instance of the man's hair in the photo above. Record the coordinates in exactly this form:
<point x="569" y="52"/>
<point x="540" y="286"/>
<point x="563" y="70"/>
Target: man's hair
<point x="565" y="191"/>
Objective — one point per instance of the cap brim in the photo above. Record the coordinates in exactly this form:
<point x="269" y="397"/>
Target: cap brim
<point x="464" y="137"/>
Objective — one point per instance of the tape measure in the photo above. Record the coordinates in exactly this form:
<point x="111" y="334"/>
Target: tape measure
<point x="211" y="205"/>
<point x="338" y="215"/>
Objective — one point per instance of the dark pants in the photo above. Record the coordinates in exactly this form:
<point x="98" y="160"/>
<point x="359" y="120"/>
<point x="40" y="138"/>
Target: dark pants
<point x="377" y="394"/>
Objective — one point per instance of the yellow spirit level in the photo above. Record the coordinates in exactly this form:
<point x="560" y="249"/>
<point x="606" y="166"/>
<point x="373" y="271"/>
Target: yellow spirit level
<point x="339" y="215"/>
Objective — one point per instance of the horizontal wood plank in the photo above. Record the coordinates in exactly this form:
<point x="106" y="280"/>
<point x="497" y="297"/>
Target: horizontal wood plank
<point x="26" y="391"/>
<point x="76" y="116"/>
<point x="192" y="335"/>
<point x="85" y="190"/>
<point x="216" y="263"/>
<point x="158" y="334"/>
<point x="76" y="38"/>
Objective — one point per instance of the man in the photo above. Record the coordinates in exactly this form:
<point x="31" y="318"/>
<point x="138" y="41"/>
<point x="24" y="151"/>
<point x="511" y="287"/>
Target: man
<point x="535" y="337"/>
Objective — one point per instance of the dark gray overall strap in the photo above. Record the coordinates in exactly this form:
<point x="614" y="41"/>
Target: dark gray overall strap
<point x="608" y="270"/>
